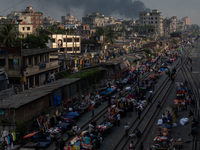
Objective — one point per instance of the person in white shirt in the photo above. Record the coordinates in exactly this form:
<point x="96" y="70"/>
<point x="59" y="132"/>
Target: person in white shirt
<point x="118" y="119"/>
<point x="91" y="127"/>
<point x="126" y="128"/>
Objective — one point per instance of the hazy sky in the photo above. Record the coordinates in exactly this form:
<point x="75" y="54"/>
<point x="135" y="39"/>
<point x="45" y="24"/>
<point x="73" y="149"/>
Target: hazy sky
<point x="116" y="8"/>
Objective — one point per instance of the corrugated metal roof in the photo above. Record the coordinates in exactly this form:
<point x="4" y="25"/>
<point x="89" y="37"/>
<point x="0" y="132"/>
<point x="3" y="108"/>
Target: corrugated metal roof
<point x="28" y="96"/>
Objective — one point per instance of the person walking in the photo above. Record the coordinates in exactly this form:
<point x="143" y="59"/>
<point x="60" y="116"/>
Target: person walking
<point x="131" y="146"/>
<point x="179" y="105"/>
<point x="139" y="112"/>
<point x="126" y="128"/>
<point x="141" y="147"/>
<point x="62" y="144"/>
<point x="93" y="111"/>
<point x="118" y="119"/>
<point x="186" y="103"/>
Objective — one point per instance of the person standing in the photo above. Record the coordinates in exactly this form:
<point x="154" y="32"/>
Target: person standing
<point x="126" y="128"/>
<point x="141" y="146"/>
<point x="93" y="111"/>
<point x="131" y="146"/>
<point x="186" y="103"/>
<point x="118" y="119"/>
<point x="139" y="112"/>
<point x="62" y="144"/>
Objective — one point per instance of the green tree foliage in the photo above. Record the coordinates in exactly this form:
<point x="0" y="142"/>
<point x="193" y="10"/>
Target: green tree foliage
<point x="92" y="75"/>
<point x="100" y="31"/>
<point x="8" y="34"/>
<point x="32" y="41"/>
<point x="111" y="36"/>
<point x="3" y="123"/>
<point x="22" y="127"/>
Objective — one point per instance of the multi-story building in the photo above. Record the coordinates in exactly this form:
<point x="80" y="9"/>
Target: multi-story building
<point x="47" y="22"/>
<point x="30" y="67"/>
<point x="153" y="18"/>
<point x="187" y="21"/>
<point x="167" y="25"/>
<point x="94" y="20"/>
<point x="174" y="21"/>
<point x="24" y="29"/>
<point x="68" y="19"/>
<point x="85" y="31"/>
<point x="27" y="16"/>
<point x="66" y="43"/>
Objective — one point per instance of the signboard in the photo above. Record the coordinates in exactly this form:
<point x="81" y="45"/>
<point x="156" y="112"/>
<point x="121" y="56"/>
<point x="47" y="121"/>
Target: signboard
<point x="15" y="63"/>
<point x="42" y="65"/>
<point x="23" y="79"/>
<point x="2" y="112"/>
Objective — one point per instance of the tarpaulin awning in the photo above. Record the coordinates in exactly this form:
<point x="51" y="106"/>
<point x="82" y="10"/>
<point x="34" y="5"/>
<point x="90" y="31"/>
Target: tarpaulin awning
<point x="132" y="60"/>
<point x="30" y="135"/>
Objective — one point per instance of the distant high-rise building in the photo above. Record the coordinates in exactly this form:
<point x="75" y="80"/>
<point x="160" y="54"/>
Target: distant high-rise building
<point x="68" y="19"/>
<point x="153" y="18"/>
<point x="187" y="21"/>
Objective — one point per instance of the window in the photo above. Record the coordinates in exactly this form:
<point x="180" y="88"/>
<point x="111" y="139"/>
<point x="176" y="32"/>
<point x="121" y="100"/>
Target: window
<point x="37" y="17"/>
<point x="28" y="28"/>
<point x="22" y="35"/>
<point x="2" y="62"/>
<point x="23" y="28"/>
<point x="36" y="60"/>
<point x="53" y="40"/>
<point x="24" y="17"/>
<point x="155" y="21"/>
<point x="10" y="64"/>
<point x="69" y="39"/>
<point x="151" y="18"/>
<point x="144" y="21"/>
<point x="30" y="60"/>
<point x="40" y="17"/>
<point x="76" y="40"/>
<point x="37" y="22"/>
<point x="69" y="49"/>
<point x="156" y="18"/>
<point x="152" y="22"/>
<point x="64" y="40"/>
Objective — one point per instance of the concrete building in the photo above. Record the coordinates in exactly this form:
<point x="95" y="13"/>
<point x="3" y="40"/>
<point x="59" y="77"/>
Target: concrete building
<point x="27" y="16"/>
<point x="68" y="19"/>
<point x="30" y="67"/>
<point x="94" y="20"/>
<point x="153" y="18"/>
<point x="24" y="29"/>
<point x="68" y="43"/>
<point x="174" y="21"/>
<point x="85" y="31"/>
<point x="167" y="25"/>
<point x="47" y="22"/>
<point x="187" y="21"/>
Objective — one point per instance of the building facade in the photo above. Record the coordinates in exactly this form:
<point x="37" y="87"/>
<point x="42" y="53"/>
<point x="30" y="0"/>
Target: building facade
<point x="153" y="18"/>
<point x="94" y="20"/>
<point x="187" y="21"/>
<point x="66" y="43"/>
<point x="68" y="19"/>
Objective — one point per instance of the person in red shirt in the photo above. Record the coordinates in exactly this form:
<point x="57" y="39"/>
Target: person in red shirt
<point x="131" y="146"/>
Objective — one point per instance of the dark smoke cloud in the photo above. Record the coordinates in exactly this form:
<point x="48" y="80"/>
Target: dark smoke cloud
<point x="58" y="8"/>
<point x="106" y="7"/>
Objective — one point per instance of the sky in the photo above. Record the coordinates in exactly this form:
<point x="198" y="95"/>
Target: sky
<point x="119" y="9"/>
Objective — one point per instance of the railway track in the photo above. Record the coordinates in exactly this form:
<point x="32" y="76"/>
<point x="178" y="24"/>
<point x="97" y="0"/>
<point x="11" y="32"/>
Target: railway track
<point x="149" y="112"/>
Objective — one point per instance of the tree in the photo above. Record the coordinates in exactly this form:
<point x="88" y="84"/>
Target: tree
<point x="100" y="31"/>
<point x="32" y="41"/>
<point x="111" y="36"/>
<point x="8" y="32"/>
<point x="22" y="127"/>
<point x="3" y="123"/>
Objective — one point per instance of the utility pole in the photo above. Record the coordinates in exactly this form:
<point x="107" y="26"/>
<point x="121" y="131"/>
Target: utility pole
<point x="75" y="53"/>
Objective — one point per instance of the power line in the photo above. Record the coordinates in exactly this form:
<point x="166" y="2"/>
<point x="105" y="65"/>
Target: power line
<point x="12" y="6"/>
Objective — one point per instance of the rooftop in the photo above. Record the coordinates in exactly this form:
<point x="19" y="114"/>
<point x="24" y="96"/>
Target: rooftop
<point x="28" y="96"/>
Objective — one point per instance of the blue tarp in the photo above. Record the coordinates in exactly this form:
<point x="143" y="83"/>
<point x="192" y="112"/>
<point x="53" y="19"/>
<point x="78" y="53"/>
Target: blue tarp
<point x="71" y="115"/>
<point x="57" y="100"/>
<point x="43" y="144"/>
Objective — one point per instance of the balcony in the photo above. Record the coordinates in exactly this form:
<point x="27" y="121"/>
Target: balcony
<point x="41" y="68"/>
